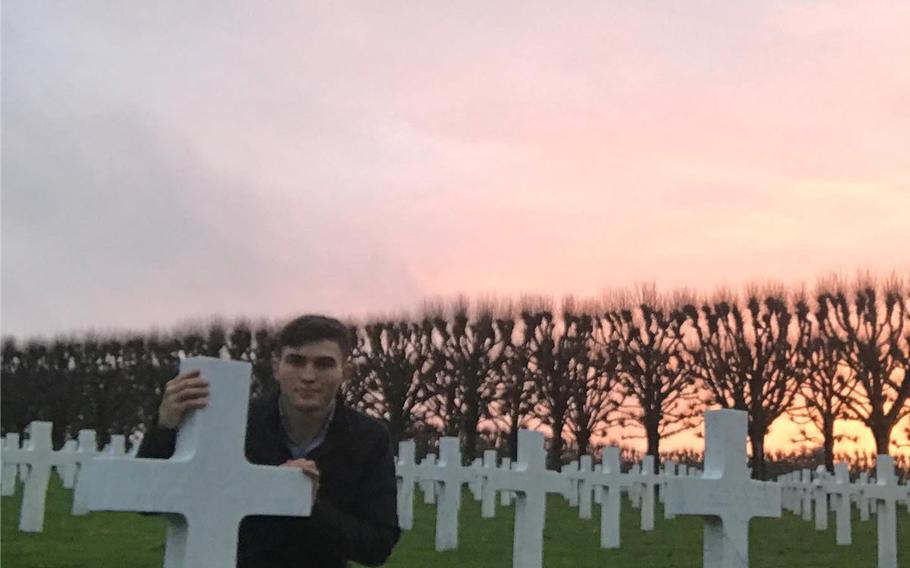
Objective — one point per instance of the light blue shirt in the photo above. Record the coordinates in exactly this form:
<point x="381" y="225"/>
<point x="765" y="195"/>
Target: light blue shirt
<point x="300" y="450"/>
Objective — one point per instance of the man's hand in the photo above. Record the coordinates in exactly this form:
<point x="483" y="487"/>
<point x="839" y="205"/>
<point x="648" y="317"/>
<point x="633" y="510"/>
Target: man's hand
<point x="309" y="468"/>
<point x="181" y="394"/>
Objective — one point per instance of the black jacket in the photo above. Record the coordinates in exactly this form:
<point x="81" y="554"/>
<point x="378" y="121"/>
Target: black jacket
<point x="354" y="516"/>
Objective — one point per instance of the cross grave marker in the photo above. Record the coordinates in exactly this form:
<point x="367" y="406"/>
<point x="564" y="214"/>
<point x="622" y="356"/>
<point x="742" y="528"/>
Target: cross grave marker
<point x="725" y="495"/>
<point x="207" y="487"/>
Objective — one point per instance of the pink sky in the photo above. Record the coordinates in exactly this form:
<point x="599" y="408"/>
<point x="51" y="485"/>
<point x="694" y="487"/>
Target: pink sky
<point x="170" y="161"/>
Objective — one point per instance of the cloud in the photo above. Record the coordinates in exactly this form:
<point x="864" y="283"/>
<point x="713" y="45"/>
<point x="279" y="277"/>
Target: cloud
<point x="213" y="158"/>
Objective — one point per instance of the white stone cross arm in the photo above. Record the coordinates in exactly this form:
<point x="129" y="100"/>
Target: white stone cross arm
<point x="725" y="495"/>
<point x="208" y="485"/>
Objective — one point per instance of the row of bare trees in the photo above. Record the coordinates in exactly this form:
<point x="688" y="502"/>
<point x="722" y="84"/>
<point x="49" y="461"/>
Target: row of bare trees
<point x="637" y="361"/>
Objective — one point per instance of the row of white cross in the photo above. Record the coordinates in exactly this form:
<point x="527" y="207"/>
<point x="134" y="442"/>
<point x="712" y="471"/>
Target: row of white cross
<point x="204" y="516"/>
<point x="31" y="461"/>
<point x="583" y="484"/>
<point x="813" y="494"/>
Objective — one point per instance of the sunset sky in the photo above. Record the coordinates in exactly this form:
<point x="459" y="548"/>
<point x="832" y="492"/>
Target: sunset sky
<point x="166" y="161"/>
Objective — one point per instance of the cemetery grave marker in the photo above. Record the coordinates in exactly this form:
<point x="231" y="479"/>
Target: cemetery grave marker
<point x="427" y="486"/>
<point x="884" y="493"/>
<point x="9" y="471"/>
<point x="86" y="451"/>
<point x="531" y="481"/>
<point x="406" y="471"/>
<point x="450" y="476"/>
<point x="820" y="497"/>
<point x="725" y="495"/>
<point x="204" y="516"/>
<point x="37" y="453"/>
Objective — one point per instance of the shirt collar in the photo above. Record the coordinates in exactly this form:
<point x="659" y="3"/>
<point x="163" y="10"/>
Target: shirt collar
<point x="320" y="434"/>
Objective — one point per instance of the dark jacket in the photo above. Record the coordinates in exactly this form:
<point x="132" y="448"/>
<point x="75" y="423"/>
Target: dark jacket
<point x="354" y="516"/>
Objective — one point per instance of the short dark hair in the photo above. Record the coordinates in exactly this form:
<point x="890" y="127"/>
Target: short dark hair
<point x="310" y="328"/>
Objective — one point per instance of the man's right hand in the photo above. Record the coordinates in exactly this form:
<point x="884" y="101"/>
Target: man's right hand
<point x="182" y="393"/>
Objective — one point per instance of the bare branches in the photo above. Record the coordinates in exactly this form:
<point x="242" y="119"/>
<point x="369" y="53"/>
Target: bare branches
<point x="867" y="324"/>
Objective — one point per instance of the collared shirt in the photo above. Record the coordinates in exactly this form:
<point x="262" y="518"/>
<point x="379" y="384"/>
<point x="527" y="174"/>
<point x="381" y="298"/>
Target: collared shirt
<point x="302" y="450"/>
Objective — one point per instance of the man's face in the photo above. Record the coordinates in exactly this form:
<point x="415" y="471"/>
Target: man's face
<point x="309" y="376"/>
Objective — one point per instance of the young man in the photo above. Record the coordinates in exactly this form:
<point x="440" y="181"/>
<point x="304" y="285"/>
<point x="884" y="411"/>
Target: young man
<point x="305" y="424"/>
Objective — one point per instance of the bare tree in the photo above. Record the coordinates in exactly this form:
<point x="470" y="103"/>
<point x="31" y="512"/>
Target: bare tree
<point x="474" y="356"/>
<point x="826" y="388"/>
<point x="645" y="333"/>
<point x="553" y="347"/>
<point x="870" y="325"/>
<point x="398" y="364"/>
<point x="593" y="380"/>
<point x="514" y="396"/>
<point x="748" y="359"/>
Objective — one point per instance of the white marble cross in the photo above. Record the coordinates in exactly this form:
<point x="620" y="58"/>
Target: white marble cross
<point x="86" y="451"/>
<point x="840" y="490"/>
<point x="634" y="489"/>
<point x="585" y="487"/>
<point x="885" y="493"/>
<point x="116" y="447"/>
<point x="787" y="491"/>
<point x="668" y="473"/>
<point x="207" y="486"/>
<point x="406" y="471"/>
<point x="725" y="495"/>
<point x="570" y="471"/>
<point x="610" y="481"/>
<point x="38" y="454"/>
<point x="647" y="481"/>
<point x="805" y="488"/>
<point x="428" y="486"/>
<point x="476" y="483"/>
<point x="862" y="501"/>
<point x="67" y="472"/>
<point x="488" y="491"/>
<point x="450" y="475"/>
<point x="531" y="481"/>
<point x="820" y="496"/>
<point x="505" y="497"/>
<point x="9" y="471"/>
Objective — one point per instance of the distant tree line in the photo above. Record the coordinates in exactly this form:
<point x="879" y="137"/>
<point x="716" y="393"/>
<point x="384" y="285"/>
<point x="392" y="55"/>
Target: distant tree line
<point x="646" y="362"/>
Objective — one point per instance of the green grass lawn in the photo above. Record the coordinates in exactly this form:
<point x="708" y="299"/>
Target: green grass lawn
<point x="116" y="540"/>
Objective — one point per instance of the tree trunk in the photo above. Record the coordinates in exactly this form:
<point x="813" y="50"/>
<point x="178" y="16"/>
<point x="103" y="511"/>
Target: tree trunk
<point x="397" y="425"/>
<point x="652" y="431"/>
<point x="881" y="431"/>
<point x="470" y="443"/>
<point x="513" y="440"/>
<point x="584" y="439"/>
<point x="471" y="419"/>
<point x="757" y="437"/>
<point x="555" y="454"/>
<point x="829" y="443"/>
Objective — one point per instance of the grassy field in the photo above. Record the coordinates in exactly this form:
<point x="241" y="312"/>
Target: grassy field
<point x="117" y="540"/>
